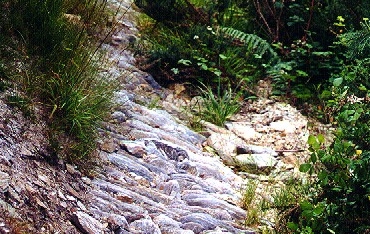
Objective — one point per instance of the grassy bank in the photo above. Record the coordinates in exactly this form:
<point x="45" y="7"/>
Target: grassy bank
<point x="49" y="56"/>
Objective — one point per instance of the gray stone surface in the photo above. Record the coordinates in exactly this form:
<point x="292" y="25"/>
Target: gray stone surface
<point x="87" y="224"/>
<point x="258" y="160"/>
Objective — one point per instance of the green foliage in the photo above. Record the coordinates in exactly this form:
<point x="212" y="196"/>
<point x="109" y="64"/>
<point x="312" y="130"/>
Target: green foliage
<point x="286" y="201"/>
<point x="217" y="108"/>
<point x="358" y="42"/>
<point x="249" y="204"/>
<point x="254" y="44"/>
<point x="303" y="66"/>
<point x="212" y="51"/>
<point x="249" y="195"/>
<point x="342" y="176"/>
<point x="171" y="12"/>
<point x="355" y="74"/>
<point x="64" y="68"/>
<point x="79" y="100"/>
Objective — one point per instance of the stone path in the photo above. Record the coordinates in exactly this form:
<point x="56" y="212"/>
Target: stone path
<point x="157" y="178"/>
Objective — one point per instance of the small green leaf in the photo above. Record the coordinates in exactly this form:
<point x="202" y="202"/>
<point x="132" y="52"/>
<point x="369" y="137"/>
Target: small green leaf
<point x="340" y="18"/>
<point x="318" y="210"/>
<point x="323" y="176"/>
<point x="184" y="62"/>
<point x="305" y="167"/>
<point x="301" y="73"/>
<point x="175" y="70"/>
<point x="292" y="226"/>
<point x="279" y="5"/>
<point x="308" y="214"/>
<point x="313" y="158"/>
<point x="321" y="138"/>
<point x="306" y="205"/>
<point x="203" y="66"/>
<point x="223" y="57"/>
<point x="257" y="56"/>
<point x="325" y="94"/>
<point x="337" y="81"/>
<point x="217" y="72"/>
<point x="362" y="87"/>
<point x="311" y="140"/>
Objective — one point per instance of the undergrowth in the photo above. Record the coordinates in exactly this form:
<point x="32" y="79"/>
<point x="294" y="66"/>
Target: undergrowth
<point x="58" y="68"/>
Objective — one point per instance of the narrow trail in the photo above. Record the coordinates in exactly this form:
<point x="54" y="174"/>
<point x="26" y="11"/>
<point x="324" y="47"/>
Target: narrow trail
<point x="158" y="177"/>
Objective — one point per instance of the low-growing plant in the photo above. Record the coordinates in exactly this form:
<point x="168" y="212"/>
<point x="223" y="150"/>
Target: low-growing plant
<point x="340" y="201"/>
<point x="218" y="108"/>
<point x="197" y="51"/>
<point x="78" y="101"/>
<point x="64" y="76"/>
<point x="250" y="204"/>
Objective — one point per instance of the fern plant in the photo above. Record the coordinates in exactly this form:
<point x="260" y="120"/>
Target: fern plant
<point x="358" y="42"/>
<point x="254" y="43"/>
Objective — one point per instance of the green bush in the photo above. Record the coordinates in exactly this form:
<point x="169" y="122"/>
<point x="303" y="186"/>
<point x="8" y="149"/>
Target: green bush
<point x="342" y="176"/>
<point x="341" y="200"/>
<point x="210" y="47"/>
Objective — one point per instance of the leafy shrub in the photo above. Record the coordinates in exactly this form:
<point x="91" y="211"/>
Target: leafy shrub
<point x="343" y="176"/>
<point x="342" y="196"/>
<point x="171" y="12"/>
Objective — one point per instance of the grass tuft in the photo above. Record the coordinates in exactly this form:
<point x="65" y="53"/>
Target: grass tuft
<point x="57" y="42"/>
<point x="218" y="108"/>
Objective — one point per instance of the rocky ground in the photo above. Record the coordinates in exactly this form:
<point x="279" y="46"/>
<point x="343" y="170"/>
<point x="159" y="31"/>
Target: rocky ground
<point x="156" y="174"/>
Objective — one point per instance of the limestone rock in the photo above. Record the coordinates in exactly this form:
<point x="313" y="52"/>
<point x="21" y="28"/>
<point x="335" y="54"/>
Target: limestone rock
<point x="133" y="147"/>
<point x="87" y="224"/>
<point x="242" y="130"/>
<point x="144" y="226"/>
<point x="4" y="181"/>
<point x="117" y="222"/>
<point x="283" y="126"/>
<point x="258" y="160"/>
<point x="108" y="146"/>
<point x="225" y="144"/>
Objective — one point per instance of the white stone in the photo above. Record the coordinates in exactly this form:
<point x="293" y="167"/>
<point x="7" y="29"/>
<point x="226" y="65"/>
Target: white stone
<point x="260" y="160"/>
<point x="283" y="126"/>
<point x="244" y="131"/>
<point x="225" y="144"/>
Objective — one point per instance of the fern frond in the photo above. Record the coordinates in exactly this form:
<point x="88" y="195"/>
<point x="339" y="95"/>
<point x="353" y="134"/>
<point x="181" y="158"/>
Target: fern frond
<point x="358" y="44"/>
<point x="254" y="43"/>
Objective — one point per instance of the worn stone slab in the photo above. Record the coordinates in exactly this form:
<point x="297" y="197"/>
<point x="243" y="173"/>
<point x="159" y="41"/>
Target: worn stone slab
<point x="258" y="160"/>
<point x="243" y="131"/>
<point x="87" y="224"/>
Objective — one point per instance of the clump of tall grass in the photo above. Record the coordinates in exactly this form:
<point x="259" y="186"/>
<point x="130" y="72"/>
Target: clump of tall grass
<point x="57" y="35"/>
<point x="220" y="106"/>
